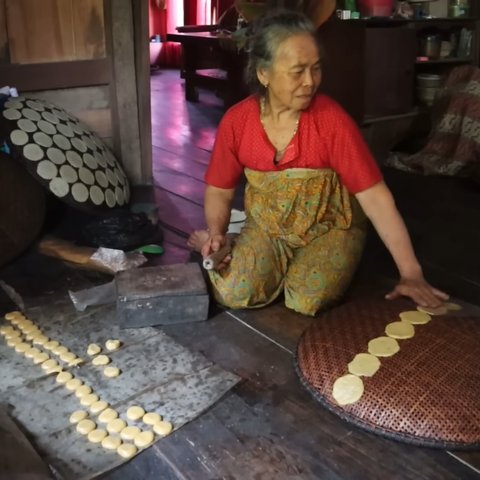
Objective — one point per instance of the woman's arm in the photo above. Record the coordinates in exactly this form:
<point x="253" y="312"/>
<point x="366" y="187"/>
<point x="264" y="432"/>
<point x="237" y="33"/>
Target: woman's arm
<point x="218" y="203"/>
<point x="379" y="206"/>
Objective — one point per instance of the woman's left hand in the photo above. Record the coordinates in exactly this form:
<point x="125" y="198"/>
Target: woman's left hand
<point x="420" y="291"/>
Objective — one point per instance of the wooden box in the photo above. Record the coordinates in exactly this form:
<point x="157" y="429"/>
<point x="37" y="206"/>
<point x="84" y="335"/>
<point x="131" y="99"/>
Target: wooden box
<point x="161" y="295"/>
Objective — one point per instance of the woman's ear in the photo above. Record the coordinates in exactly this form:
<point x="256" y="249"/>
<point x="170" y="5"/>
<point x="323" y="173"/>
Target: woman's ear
<point x="262" y="77"/>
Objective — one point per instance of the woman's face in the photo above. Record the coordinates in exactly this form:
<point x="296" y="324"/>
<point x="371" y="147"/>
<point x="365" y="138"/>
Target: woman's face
<point x="295" y="74"/>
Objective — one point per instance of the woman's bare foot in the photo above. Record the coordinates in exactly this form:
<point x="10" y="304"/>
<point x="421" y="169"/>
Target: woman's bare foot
<point x="197" y="239"/>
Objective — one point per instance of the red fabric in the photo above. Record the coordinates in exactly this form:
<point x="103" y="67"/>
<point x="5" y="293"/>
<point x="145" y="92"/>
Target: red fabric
<point x="326" y="138"/>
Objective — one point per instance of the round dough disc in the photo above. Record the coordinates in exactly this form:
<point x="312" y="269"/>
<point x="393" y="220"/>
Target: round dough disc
<point x="74" y="384"/>
<point x="116" y="425"/>
<point x="144" y="439"/>
<point x="107" y="415"/>
<point x="135" y="412"/>
<point x="78" y="416"/>
<point x="400" y="330"/>
<point x="85" y="426"/>
<point x="151" y="418"/>
<point x="40" y="358"/>
<point x="127" y="450"/>
<point x="364" y="364"/>
<point x="163" y="428"/>
<point x="111" y="372"/>
<point x="112" y="345"/>
<point x="97" y="435"/>
<point x="433" y="311"/>
<point x="111" y="443"/>
<point x="83" y="390"/>
<point x="88" y="400"/>
<point x="383" y="347"/>
<point x="93" y="349"/>
<point x="98" y="407"/>
<point x="64" y="377"/>
<point x="130" y="433"/>
<point x="101" y="360"/>
<point x="347" y="389"/>
<point x="415" y="317"/>
<point x="51" y="345"/>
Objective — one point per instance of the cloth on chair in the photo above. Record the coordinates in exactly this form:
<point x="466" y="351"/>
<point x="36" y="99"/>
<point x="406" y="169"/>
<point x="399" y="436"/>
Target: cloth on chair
<point x="453" y="148"/>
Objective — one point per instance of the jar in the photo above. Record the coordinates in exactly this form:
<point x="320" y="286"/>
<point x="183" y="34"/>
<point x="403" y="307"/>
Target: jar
<point x="458" y="8"/>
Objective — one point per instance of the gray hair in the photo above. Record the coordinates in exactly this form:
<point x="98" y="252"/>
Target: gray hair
<point x="265" y="34"/>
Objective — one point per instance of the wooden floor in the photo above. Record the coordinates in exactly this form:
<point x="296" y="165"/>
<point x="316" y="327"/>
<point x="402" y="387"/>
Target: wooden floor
<point x="268" y="426"/>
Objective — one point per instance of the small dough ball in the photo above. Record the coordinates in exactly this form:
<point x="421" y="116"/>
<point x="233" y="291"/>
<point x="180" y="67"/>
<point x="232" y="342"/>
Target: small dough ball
<point x="83" y="390"/>
<point x="400" y="330"/>
<point x="41" y="340"/>
<point x="31" y="352"/>
<point x="93" y="349"/>
<point x="442" y="310"/>
<point x="116" y="425"/>
<point x="415" y="317"/>
<point x="74" y="384"/>
<point x="88" y="400"/>
<point x="107" y="415"/>
<point x="364" y="364"/>
<point x="76" y="361"/>
<point x="101" y="360"/>
<point x="347" y="389"/>
<point x="13" y="342"/>
<point x="127" y="450"/>
<point x="78" y="415"/>
<point x="144" y="439"/>
<point x="111" y="372"/>
<point x="112" y="345"/>
<point x="12" y="334"/>
<point x="98" y="407"/>
<point x="85" y="426"/>
<point x="383" y="347"/>
<point x="51" y="345"/>
<point x="68" y="357"/>
<point x="135" y="412"/>
<point x="111" y="443"/>
<point x="49" y="364"/>
<point x="13" y="315"/>
<point x="40" y="358"/>
<point x="22" y="347"/>
<point x="130" y="433"/>
<point x="64" y="377"/>
<point x="60" y="350"/>
<point x="163" y="428"/>
<point x="151" y="418"/>
<point x="97" y="435"/>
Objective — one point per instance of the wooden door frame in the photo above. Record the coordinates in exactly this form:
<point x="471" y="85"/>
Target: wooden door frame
<point x="126" y="31"/>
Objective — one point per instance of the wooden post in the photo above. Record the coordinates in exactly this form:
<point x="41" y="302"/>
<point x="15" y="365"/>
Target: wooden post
<point x="4" y="54"/>
<point x="128" y="115"/>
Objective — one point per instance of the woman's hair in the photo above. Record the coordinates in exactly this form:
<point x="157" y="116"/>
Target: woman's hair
<point x="265" y="33"/>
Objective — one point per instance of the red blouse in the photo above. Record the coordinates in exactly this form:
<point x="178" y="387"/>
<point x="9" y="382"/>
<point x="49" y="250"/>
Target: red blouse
<point x="326" y="138"/>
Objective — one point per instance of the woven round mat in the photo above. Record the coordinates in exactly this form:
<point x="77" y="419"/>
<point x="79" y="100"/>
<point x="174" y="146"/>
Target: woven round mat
<point x="426" y="394"/>
<point x="63" y="154"/>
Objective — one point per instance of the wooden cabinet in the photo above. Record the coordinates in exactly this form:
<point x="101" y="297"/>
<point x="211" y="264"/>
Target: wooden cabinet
<point x="371" y="64"/>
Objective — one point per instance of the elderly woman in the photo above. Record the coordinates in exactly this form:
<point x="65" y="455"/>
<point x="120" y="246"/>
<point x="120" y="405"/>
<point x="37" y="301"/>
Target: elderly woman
<point x="308" y="173"/>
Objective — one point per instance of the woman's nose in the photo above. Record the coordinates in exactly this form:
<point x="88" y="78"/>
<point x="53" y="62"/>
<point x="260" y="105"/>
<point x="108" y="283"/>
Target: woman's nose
<point x="308" y="78"/>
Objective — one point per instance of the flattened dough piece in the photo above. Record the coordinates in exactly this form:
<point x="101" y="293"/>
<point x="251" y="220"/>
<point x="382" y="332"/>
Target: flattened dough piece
<point x="89" y="399"/>
<point x="127" y="450"/>
<point x="111" y="443"/>
<point x="415" y="317"/>
<point x="74" y="384"/>
<point x="51" y="345"/>
<point x="453" y="307"/>
<point x="107" y="415"/>
<point x="112" y="345"/>
<point x="364" y="364"/>
<point x="442" y="310"/>
<point x="101" y="360"/>
<point x="111" y="372"/>
<point x="98" y="407"/>
<point x="97" y="435"/>
<point x="163" y="428"/>
<point x="144" y="439"/>
<point x="93" y="349"/>
<point x="64" y="377"/>
<point x="85" y="426"/>
<point x="78" y="416"/>
<point x="13" y="315"/>
<point x="83" y="390"/>
<point x="383" y="347"/>
<point x="400" y="330"/>
<point x="116" y="425"/>
<point x="135" y="412"/>
<point x="40" y="358"/>
<point x="130" y="433"/>
<point x="347" y="389"/>
<point x="151" y="418"/>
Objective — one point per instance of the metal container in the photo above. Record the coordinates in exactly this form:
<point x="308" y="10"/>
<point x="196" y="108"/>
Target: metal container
<point x="431" y="46"/>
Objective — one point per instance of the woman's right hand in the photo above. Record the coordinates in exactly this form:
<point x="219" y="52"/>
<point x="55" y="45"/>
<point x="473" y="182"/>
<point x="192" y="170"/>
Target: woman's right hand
<point x="214" y="244"/>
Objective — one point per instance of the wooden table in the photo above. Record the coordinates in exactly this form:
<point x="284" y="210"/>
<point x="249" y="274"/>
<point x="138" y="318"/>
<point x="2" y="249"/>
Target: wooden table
<point x="211" y="61"/>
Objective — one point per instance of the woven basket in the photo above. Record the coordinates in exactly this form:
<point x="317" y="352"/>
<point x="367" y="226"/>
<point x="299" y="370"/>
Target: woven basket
<point x="427" y="394"/>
